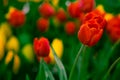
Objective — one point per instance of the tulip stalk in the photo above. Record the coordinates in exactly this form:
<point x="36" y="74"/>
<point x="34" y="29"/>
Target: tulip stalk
<point x="76" y="60"/>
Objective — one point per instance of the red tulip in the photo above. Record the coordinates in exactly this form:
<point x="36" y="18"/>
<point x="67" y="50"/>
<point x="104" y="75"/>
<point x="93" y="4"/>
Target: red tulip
<point x="61" y="15"/>
<point x="46" y="10"/>
<point x="70" y="28"/>
<point x="41" y="47"/>
<point x="43" y="24"/>
<point x="87" y="5"/>
<point x="74" y="9"/>
<point x="91" y="30"/>
<point x="93" y="15"/>
<point x="17" y="18"/>
<point x="90" y="33"/>
<point x="113" y="28"/>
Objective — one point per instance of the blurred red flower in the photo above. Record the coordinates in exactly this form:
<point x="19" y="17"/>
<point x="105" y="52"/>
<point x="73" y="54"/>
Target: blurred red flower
<point x="70" y="28"/>
<point x="17" y="18"/>
<point x="87" y="5"/>
<point x="113" y="28"/>
<point x="74" y="9"/>
<point x="61" y="15"/>
<point x="41" y="47"/>
<point x="43" y="24"/>
<point x="46" y="10"/>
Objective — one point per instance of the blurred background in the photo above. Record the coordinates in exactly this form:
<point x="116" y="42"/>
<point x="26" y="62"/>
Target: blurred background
<point x="23" y="20"/>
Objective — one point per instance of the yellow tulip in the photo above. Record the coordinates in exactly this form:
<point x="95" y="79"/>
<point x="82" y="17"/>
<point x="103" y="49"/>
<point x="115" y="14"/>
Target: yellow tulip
<point x="13" y="44"/>
<point x="2" y="44"/>
<point x="57" y="44"/>
<point x="16" y="64"/>
<point x="27" y="51"/>
<point x="9" y="57"/>
<point x="100" y="8"/>
<point x="55" y="2"/>
<point x="108" y="16"/>
<point x="5" y="27"/>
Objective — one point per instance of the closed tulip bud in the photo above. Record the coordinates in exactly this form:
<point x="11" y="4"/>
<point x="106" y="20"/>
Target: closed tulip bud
<point x="74" y="9"/>
<point x="46" y="10"/>
<point x="41" y="47"/>
<point x="90" y="33"/>
<point x="43" y="24"/>
<point x="61" y="15"/>
<point x="16" y="17"/>
<point x="91" y="30"/>
<point x="70" y="28"/>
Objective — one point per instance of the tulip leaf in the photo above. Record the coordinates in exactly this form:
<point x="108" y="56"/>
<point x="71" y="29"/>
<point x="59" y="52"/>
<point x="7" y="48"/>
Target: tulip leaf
<point x="48" y="74"/>
<point x="27" y="77"/>
<point x="41" y="73"/>
<point x="62" y="72"/>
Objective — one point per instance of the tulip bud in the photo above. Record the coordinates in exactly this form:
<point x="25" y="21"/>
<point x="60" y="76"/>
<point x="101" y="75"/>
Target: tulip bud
<point x="46" y="10"/>
<point x="41" y="47"/>
<point x="70" y="28"/>
<point x="74" y="9"/>
<point x="87" y="5"/>
<point x="16" y="17"/>
<point x="43" y="24"/>
<point x="91" y="30"/>
<point x="61" y="15"/>
<point x="90" y="33"/>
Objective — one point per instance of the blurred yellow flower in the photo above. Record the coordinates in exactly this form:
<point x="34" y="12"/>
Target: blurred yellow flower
<point x="5" y="27"/>
<point x="13" y="44"/>
<point x="2" y="44"/>
<point x="11" y="9"/>
<point x="57" y="44"/>
<point x="55" y="2"/>
<point x="16" y="64"/>
<point x="109" y="16"/>
<point x="100" y="8"/>
<point x="27" y="51"/>
<point x="9" y="57"/>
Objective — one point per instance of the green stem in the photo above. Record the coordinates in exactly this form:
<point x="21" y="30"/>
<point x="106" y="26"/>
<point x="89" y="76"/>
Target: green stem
<point x="75" y="62"/>
<point x="111" y="67"/>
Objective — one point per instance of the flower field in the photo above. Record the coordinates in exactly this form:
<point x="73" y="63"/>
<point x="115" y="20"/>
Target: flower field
<point x="59" y="39"/>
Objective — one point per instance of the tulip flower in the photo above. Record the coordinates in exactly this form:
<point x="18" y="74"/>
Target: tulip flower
<point x="87" y="5"/>
<point x="70" y="28"/>
<point x="15" y="17"/>
<point x="74" y="9"/>
<point x="95" y="16"/>
<point x="61" y="15"/>
<point x="41" y="47"/>
<point x="46" y="10"/>
<point x="43" y="24"/>
<point x="113" y="28"/>
<point x="91" y="30"/>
